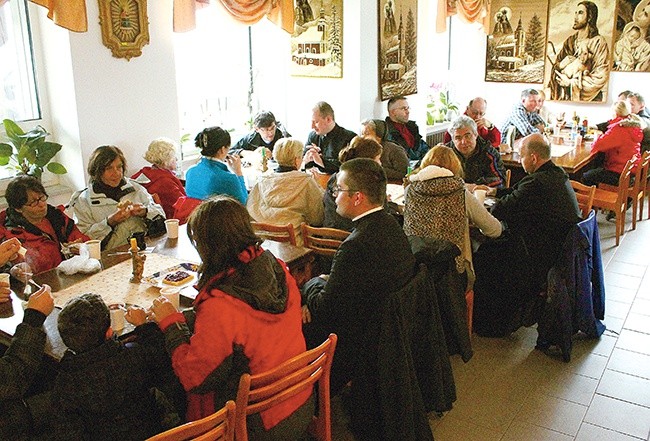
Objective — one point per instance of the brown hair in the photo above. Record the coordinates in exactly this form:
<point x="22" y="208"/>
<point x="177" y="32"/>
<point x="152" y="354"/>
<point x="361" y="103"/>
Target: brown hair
<point x="361" y="147"/>
<point x="220" y="230"/>
<point x="101" y="158"/>
<point x="444" y="157"/>
<point x="366" y="176"/>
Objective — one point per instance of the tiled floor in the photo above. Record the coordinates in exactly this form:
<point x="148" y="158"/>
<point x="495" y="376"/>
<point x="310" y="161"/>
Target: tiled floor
<point x="511" y="392"/>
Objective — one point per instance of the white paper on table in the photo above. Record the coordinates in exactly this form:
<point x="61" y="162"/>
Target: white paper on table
<point x="558" y="150"/>
<point x="396" y="193"/>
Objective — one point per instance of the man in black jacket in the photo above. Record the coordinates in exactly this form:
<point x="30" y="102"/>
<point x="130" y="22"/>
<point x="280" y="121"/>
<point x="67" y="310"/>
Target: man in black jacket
<point x="326" y="140"/>
<point x="267" y="131"/>
<point x="374" y="261"/>
<point x="402" y="131"/>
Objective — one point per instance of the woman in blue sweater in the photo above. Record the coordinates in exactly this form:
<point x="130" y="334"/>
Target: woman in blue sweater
<point x="217" y="172"/>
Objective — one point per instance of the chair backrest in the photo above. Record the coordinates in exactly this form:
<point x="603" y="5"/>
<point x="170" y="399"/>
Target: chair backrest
<point x="220" y="426"/>
<point x="585" y="196"/>
<point x="508" y="176"/>
<point x="278" y="233"/>
<point x="155" y="198"/>
<point x="324" y="241"/>
<point x="260" y="392"/>
<point x="624" y="187"/>
<point x="641" y="176"/>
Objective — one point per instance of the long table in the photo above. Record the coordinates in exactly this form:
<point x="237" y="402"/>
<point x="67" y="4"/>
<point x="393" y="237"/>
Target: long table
<point x="298" y="259"/>
<point x="574" y="162"/>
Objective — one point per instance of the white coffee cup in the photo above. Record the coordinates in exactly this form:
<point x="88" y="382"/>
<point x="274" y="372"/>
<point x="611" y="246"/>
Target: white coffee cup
<point x="172" y="294"/>
<point x="172" y="228"/>
<point x="94" y="249"/>
<point x="480" y="195"/>
<point x="117" y="316"/>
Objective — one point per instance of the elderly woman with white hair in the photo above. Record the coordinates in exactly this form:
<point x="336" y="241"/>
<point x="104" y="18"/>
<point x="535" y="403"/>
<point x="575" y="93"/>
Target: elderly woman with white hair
<point x="620" y="143"/>
<point x="288" y="195"/>
<point x="160" y="178"/>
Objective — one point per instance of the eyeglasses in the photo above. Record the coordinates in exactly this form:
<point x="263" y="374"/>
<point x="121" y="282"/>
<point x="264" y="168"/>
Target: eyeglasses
<point x="37" y="201"/>
<point x="336" y="190"/>
<point x="403" y="108"/>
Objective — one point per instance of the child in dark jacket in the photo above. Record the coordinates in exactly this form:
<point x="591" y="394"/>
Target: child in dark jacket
<point x="104" y="387"/>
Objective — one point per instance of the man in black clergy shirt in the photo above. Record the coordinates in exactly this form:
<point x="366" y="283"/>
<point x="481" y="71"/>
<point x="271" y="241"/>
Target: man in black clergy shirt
<point x="326" y="140"/>
<point x="374" y="261"/>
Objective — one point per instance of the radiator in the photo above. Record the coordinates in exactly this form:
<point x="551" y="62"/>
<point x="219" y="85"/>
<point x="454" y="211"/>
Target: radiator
<point x="436" y="134"/>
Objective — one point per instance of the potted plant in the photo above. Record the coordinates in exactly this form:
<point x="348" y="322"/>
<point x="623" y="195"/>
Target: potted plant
<point x="441" y="109"/>
<point x="28" y="152"/>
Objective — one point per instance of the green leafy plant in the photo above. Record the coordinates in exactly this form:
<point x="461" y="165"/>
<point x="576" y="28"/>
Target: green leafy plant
<point x="438" y="109"/>
<point x="28" y="152"/>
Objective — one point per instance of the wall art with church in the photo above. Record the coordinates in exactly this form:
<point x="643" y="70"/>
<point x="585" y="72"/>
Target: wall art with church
<point x="317" y="41"/>
<point x="516" y="42"/>
<point x="398" y="47"/>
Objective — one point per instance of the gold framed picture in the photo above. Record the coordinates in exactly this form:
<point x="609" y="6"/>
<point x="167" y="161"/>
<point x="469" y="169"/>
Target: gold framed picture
<point x="125" y="26"/>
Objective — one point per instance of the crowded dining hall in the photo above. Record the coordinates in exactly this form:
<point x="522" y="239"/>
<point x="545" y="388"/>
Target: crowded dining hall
<point x="324" y="220"/>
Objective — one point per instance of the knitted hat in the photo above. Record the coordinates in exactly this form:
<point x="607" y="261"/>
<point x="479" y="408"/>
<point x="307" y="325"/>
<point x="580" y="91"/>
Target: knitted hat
<point x="83" y="322"/>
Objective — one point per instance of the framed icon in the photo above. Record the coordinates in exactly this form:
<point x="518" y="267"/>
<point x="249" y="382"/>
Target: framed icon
<point x="125" y="26"/>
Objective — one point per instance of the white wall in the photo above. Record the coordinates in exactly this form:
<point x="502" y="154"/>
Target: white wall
<point x="97" y="99"/>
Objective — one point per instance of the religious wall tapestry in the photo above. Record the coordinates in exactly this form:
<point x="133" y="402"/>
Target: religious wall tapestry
<point x="397" y="47"/>
<point x="317" y="41"/>
<point x="632" y="36"/>
<point x="578" y="56"/>
<point x="516" y="43"/>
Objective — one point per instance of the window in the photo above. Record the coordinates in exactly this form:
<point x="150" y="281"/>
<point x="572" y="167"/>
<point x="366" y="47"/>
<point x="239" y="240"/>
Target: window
<point x="214" y="65"/>
<point x="18" y="96"/>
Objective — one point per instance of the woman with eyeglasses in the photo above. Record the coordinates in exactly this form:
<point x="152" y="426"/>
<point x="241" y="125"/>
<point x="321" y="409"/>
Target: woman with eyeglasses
<point x="40" y="227"/>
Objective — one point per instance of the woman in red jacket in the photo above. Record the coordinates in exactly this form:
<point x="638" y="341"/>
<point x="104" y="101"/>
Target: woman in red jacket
<point x="248" y="319"/>
<point x="620" y="143"/>
<point x="40" y="227"/>
<point x="160" y="178"/>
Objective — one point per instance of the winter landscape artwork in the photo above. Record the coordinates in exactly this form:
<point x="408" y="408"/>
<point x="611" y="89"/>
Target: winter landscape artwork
<point x="397" y="47"/>
<point x="317" y="41"/>
<point x="516" y="45"/>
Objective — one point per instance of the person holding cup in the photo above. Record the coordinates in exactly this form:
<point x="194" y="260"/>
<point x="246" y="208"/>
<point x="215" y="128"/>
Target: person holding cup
<point x="41" y="228"/>
<point x="438" y="205"/>
<point x="20" y="364"/>
<point x="247" y="319"/>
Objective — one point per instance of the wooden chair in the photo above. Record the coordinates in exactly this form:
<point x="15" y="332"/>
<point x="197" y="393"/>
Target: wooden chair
<point x="639" y="190"/>
<point x="321" y="178"/>
<point x="278" y="233"/>
<point x="616" y="201"/>
<point x="155" y="198"/>
<point x="218" y="426"/>
<point x="469" y="300"/>
<point x="260" y="392"/>
<point x="508" y="176"/>
<point x="324" y="241"/>
<point x="585" y="195"/>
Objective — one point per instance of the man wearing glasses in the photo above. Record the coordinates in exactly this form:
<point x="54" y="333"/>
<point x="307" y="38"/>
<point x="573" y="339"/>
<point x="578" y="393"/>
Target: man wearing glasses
<point x="486" y="129"/>
<point x="481" y="162"/>
<point x="266" y="133"/>
<point x="374" y="261"/>
<point x="402" y="131"/>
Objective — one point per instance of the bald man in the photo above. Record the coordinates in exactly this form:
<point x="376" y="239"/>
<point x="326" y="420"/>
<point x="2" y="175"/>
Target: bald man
<point x="511" y="274"/>
<point x="476" y="110"/>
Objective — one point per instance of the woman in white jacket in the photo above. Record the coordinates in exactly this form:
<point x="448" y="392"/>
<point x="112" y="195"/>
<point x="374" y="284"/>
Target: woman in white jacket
<point x="438" y="205"/>
<point x="288" y="195"/>
<point x="113" y="207"/>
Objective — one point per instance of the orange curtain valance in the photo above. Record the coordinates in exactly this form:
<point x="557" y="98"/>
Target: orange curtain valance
<point x="471" y="10"/>
<point x="247" y="12"/>
<point x="71" y="14"/>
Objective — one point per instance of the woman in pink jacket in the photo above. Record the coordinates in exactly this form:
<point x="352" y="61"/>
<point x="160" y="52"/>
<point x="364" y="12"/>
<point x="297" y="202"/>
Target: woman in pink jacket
<point x="620" y="143"/>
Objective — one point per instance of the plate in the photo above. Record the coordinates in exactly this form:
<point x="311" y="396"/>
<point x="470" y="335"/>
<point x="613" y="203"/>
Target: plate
<point x="156" y="279"/>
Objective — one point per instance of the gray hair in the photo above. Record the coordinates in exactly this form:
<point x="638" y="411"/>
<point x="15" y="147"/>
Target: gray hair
<point x="463" y="122"/>
<point x="528" y="92"/>
<point x="161" y="152"/>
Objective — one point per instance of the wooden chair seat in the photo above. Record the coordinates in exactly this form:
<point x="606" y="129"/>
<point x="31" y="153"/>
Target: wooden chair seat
<point x="260" y="392"/>
<point x="220" y="426"/>
<point x="278" y="233"/>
